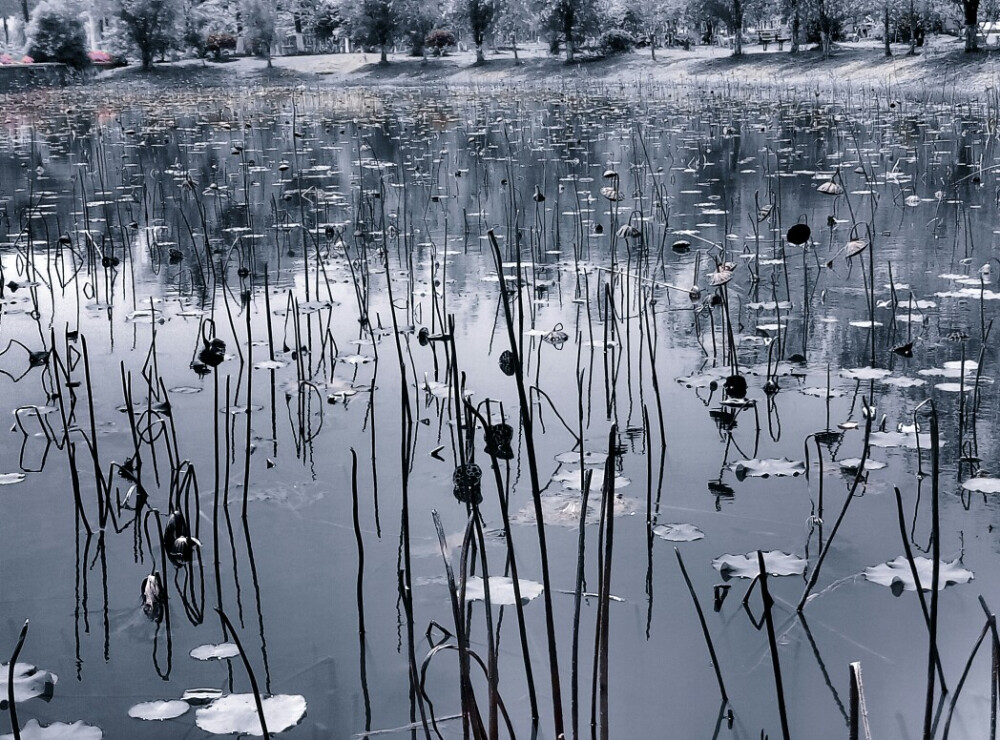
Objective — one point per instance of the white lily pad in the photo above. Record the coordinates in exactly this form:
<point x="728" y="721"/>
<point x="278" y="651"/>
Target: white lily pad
<point x="215" y="652"/>
<point x="905" y="382"/>
<point x="236" y="714"/>
<point x="982" y="485"/>
<point x="201" y="697"/>
<point x="896" y="574"/>
<point x="590" y="457"/>
<point x="57" y="731"/>
<point x="7" y="479"/>
<point x="776" y="563"/>
<point x="765" y="468"/>
<point x="563" y="509"/>
<point x="955" y="387"/>
<point x="678" y="532"/>
<point x="502" y="590"/>
<point x="29" y="683"/>
<point x="572" y="480"/>
<point x="159" y="710"/>
<point x="865" y="373"/>
<point x="906" y="438"/>
<point x="853" y="463"/>
<point x="822" y="392"/>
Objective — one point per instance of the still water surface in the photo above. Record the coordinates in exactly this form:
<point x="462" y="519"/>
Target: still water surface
<point x="280" y="222"/>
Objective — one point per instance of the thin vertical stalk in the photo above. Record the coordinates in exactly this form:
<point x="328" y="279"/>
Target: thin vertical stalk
<point x="526" y="421"/>
<point x="253" y="679"/>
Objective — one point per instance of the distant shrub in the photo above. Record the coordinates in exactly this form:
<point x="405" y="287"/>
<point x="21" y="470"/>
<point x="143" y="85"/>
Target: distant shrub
<point x="617" y="41"/>
<point x="216" y="43"/>
<point x="439" y="41"/>
<point x="56" y="33"/>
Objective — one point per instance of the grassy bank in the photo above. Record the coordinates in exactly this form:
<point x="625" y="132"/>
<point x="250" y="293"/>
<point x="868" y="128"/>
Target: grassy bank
<point x="941" y="69"/>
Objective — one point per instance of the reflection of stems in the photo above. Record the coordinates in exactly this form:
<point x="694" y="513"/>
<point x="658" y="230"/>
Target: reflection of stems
<point x="773" y="643"/>
<point x="859" y="712"/>
<point x="704" y="628"/>
<point x="10" y="680"/>
<point x="253" y="678"/>
<point x="913" y="571"/>
<point x="361" y="583"/>
<point x="858" y="477"/>
<point x="935" y="568"/>
<point x="990" y="623"/>
<point x="604" y="609"/>
<point x="822" y="665"/>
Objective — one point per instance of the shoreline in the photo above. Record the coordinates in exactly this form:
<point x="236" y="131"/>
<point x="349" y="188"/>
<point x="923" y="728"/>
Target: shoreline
<point x="941" y="71"/>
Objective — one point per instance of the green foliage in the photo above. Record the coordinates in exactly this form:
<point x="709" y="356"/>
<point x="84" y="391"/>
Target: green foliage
<point x="569" y="21"/>
<point x="616" y="41"/>
<point x="440" y="40"/>
<point x="216" y="43"/>
<point x="56" y="34"/>
<point x="151" y="26"/>
<point x="326" y="20"/>
<point x="416" y="19"/>
<point x="259" y="28"/>
<point x="480" y="14"/>
<point x="373" y="23"/>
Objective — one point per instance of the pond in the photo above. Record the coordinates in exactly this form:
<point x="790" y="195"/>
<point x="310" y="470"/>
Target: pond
<point x="342" y="331"/>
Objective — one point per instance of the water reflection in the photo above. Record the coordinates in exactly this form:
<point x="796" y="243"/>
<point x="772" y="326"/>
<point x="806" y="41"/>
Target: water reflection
<point x="243" y="307"/>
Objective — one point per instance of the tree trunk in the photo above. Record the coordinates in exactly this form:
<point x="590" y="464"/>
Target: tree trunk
<point x="971" y="12"/>
<point x="738" y="26"/>
<point x="913" y="32"/>
<point x="568" y="33"/>
<point x="480" y="56"/>
<point x="885" y="31"/>
<point x="24" y="11"/>
<point x="796" y="22"/>
<point x="513" y="43"/>
<point x="824" y="28"/>
<point x="383" y="58"/>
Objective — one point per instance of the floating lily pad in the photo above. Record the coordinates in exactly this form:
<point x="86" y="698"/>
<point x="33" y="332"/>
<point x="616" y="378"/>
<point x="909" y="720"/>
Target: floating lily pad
<point x="776" y="562"/>
<point x="865" y="373"/>
<point x="268" y="365"/>
<point x="572" y="480"/>
<point x="779" y="468"/>
<point x="201" y="697"/>
<point x="982" y="485"/>
<point x="236" y="714"/>
<point x="905" y="382"/>
<point x="563" y="509"/>
<point x="186" y="390"/>
<point x="955" y="387"/>
<point x="501" y="590"/>
<point x="215" y="652"/>
<point x="57" y="731"/>
<point x="7" y="479"/>
<point x="822" y="392"/>
<point x="905" y="438"/>
<point x="159" y="710"/>
<point x="589" y="458"/>
<point x="897" y="571"/>
<point x="29" y="683"/>
<point x="853" y="463"/>
<point x="678" y="532"/>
